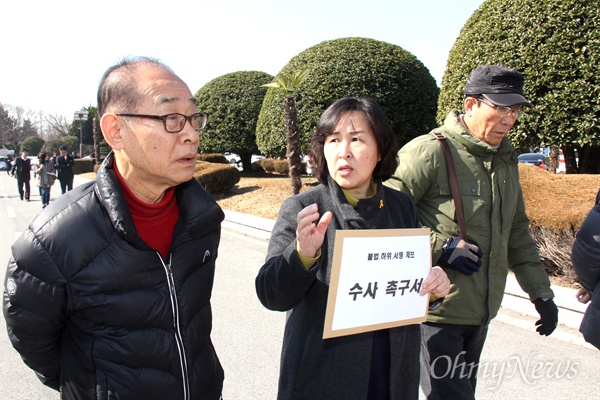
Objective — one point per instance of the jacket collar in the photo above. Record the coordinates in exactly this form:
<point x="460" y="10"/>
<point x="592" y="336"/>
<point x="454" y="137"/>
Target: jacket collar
<point x="197" y="209"/>
<point x="457" y="131"/>
<point x="367" y="212"/>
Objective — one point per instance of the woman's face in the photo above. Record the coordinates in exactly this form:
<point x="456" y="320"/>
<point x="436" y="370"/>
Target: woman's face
<point x="351" y="154"/>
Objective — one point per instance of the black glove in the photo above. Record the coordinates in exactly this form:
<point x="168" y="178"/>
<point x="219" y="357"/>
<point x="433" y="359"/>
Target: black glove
<point x="465" y="259"/>
<point x="548" y="316"/>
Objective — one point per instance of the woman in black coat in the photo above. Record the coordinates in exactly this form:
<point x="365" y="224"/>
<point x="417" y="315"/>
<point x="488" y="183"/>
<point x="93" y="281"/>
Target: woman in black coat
<point x="353" y="150"/>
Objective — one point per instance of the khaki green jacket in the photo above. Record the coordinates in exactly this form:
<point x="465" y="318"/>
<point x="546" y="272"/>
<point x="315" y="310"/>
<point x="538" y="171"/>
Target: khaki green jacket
<point x="494" y="212"/>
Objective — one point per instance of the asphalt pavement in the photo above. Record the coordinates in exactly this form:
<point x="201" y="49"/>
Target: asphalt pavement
<point x="516" y="363"/>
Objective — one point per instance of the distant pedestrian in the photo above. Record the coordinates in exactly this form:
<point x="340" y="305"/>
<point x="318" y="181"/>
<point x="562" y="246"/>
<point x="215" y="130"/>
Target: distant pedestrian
<point x="8" y="164"/>
<point x="64" y="166"/>
<point x="44" y="174"/>
<point x="53" y="160"/>
<point x="22" y="171"/>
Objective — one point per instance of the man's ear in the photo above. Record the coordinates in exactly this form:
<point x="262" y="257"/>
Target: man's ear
<point x="469" y="104"/>
<point x="111" y="130"/>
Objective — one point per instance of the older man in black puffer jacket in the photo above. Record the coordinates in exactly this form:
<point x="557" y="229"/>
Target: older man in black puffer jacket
<point x="107" y="293"/>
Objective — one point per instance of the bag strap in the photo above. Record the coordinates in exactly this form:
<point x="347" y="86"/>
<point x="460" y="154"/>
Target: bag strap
<point x="460" y="216"/>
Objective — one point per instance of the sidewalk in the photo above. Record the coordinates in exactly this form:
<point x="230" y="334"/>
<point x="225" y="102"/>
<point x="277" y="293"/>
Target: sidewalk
<point x="570" y="310"/>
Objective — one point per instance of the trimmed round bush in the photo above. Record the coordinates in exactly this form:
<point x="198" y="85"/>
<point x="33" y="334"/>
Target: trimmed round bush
<point x="83" y="165"/>
<point x="212" y="158"/>
<point x="339" y="68"/>
<point x="556" y="45"/>
<point x="215" y="177"/>
<point x="233" y="102"/>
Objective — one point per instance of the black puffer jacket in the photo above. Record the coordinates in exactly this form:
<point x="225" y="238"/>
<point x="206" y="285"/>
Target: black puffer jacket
<point x="98" y="314"/>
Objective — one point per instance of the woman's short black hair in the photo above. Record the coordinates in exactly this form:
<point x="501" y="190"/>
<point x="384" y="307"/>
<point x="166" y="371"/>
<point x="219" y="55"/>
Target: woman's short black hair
<point x="387" y="143"/>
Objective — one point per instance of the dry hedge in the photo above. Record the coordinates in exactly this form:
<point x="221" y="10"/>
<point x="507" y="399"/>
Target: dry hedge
<point x="556" y="206"/>
<point x="216" y="177"/>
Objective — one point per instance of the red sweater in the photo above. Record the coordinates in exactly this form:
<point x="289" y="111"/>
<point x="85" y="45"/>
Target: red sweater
<point x="155" y="223"/>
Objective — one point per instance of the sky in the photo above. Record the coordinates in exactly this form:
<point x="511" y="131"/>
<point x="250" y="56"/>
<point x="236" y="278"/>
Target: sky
<point x="54" y="52"/>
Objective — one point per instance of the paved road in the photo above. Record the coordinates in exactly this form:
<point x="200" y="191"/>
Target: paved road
<point x="516" y="362"/>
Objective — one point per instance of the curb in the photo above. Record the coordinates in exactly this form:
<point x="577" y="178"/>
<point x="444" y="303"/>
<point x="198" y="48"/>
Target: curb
<point x="570" y="311"/>
<point x="249" y="225"/>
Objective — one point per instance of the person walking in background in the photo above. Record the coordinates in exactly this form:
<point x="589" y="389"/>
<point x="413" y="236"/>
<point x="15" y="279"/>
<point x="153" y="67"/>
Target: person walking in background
<point x="44" y="174"/>
<point x="107" y="293"/>
<point x="353" y="149"/>
<point x="21" y="169"/>
<point x="53" y="160"/>
<point x="497" y="226"/>
<point x="586" y="261"/>
<point x="64" y="166"/>
<point x="8" y="165"/>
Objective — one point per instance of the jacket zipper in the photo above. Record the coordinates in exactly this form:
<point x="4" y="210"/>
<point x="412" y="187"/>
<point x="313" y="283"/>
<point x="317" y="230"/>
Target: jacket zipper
<point x="177" y="332"/>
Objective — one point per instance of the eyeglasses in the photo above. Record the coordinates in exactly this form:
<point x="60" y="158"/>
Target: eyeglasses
<point x="175" y="122"/>
<point x="504" y="111"/>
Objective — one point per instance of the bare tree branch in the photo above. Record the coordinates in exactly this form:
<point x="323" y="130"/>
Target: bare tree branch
<point x="56" y="126"/>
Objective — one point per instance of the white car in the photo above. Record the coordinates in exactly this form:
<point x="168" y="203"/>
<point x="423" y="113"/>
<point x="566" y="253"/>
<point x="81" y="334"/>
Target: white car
<point x="232" y="158"/>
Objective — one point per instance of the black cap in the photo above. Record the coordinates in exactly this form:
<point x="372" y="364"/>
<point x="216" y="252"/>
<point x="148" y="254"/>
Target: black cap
<point x="502" y="86"/>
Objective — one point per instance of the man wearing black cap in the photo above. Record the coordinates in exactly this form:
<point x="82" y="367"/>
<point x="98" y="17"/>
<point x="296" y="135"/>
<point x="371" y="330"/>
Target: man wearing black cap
<point x="22" y="171"/>
<point x="496" y="227"/>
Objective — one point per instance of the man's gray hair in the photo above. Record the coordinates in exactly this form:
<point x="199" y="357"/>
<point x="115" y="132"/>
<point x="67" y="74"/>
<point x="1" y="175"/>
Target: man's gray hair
<point x="119" y="89"/>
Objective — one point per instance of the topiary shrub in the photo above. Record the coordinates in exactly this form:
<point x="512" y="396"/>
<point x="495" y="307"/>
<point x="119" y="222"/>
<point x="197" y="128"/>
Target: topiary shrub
<point x="281" y="166"/>
<point x="32" y="143"/>
<point x="216" y="178"/>
<point x="339" y="68"/>
<point x="212" y="157"/>
<point x="267" y="164"/>
<point x="556" y="44"/>
<point x="256" y="167"/>
<point x="83" y="165"/>
<point x="233" y="102"/>
<point x="556" y="207"/>
<point x="274" y="166"/>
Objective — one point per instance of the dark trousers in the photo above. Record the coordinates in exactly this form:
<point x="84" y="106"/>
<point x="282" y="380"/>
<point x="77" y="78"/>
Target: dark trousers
<point x="20" y="184"/>
<point x="66" y="185"/>
<point x="450" y="359"/>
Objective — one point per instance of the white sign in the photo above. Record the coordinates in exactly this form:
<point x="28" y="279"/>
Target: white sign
<point x="375" y="280"/>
